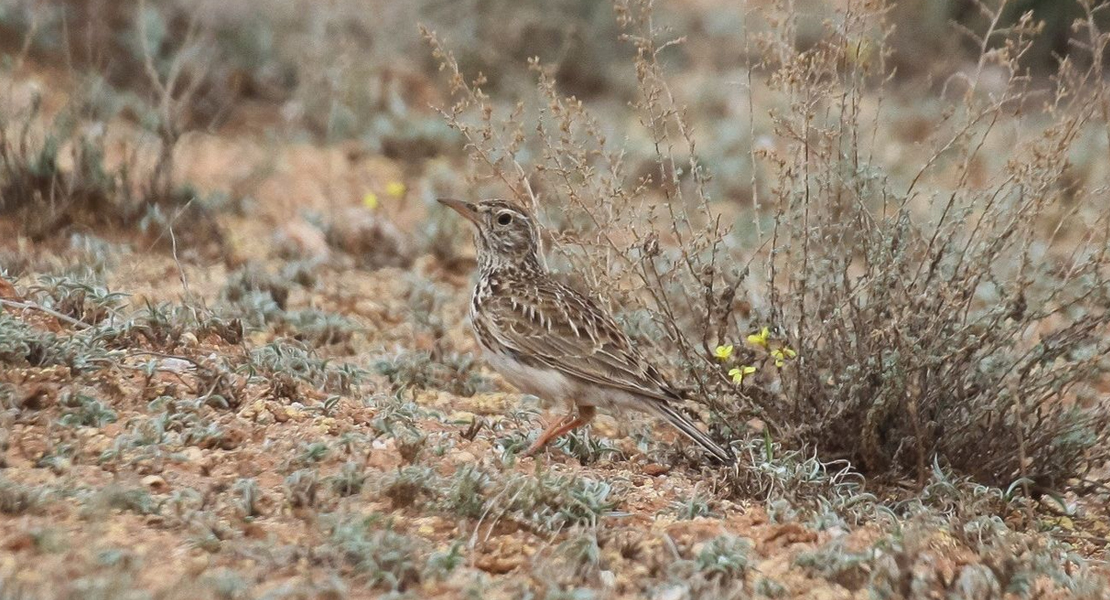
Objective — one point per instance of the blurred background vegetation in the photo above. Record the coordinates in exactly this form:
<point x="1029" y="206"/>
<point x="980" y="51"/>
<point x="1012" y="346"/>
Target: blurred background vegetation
<point x="359" y="71"/>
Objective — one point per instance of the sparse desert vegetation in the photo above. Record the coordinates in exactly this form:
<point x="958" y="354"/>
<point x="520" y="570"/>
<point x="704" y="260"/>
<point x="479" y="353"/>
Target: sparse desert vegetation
<point x="868" y="240"/>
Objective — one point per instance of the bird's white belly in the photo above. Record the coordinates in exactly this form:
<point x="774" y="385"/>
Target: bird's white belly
<point x="556" y="388"/>
<point x="548" y="384"/>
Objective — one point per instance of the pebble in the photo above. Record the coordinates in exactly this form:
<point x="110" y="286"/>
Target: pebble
<point x="189" y="340"/>
<point x="327" y="425"/>
<point x="60" y="466"/>
<point x="462" y="457"/>
<point x="176" y="365"/>
<point x="192" y="454"/>
<point x="197" y="564"/>
<point x="461" y="416"/>
<point x="155" y="482"/>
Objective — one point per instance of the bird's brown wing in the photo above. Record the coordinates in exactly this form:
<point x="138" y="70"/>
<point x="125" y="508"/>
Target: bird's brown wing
<point x="557" y="327"/>
<point x="551" y="325"/>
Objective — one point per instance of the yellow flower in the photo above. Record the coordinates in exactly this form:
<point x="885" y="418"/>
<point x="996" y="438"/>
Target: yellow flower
<point x="780" y="358"/>
<point x="395" y="189"/>
<point x="782" y="355"/>
<point x="723" y="352"/>
<point x="761" y="338"/>
<point x="738" y="373"/>
<point x="370" y="200"/>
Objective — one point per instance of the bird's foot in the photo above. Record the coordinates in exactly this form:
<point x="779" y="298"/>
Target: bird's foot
<point x="559" y="428"/>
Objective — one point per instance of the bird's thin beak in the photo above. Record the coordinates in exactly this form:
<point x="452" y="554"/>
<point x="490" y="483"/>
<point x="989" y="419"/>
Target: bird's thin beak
<point x="465" y="209"/>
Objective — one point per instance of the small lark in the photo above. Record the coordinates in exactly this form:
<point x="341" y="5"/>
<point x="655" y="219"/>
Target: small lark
<point x="553" y="342"/>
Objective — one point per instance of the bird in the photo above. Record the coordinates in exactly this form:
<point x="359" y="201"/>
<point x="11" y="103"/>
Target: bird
<point x="549" y="340"/>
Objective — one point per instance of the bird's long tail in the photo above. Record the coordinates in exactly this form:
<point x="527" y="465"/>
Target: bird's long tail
<point x="683" y="423"/>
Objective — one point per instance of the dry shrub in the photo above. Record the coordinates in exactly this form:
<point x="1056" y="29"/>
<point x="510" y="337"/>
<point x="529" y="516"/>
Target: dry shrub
<point x="124" y="42"/>
<point x="957" y="314"/>
<point x="928" y="28"/>
<point x="965" y="315"/>
<point x="64" y="168"/>
<point x="39" y="192"/>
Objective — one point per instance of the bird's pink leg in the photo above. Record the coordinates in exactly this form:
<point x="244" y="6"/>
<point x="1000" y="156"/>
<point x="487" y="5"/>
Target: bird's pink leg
<point x="561" y="427"/>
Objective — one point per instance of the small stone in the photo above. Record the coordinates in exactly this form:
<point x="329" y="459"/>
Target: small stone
<point x="197" y="564"/>
<point x="294" y="413"/>
<point x="461" y="416"/>
<point x="655" y="469"/>
<point x="498" y="565"/>
<point x="462" y="457"/>
<point x="233" y="438"/>
<point x="254" y="531"/>
<point x="97" y="442"/>
<point x="176" y="365"/>
<point x="327" y="425"/>
<point x="192" y="454"/>
<point x="253" y="410"/>
<point x="155" y="483"/>
<point x="280" y="414"/>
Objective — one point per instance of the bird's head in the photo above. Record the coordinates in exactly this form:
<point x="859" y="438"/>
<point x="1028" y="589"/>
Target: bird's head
<point x="504" y="232"/>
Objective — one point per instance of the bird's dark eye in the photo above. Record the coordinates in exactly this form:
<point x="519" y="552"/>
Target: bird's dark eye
<point x="504" y="219"/>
